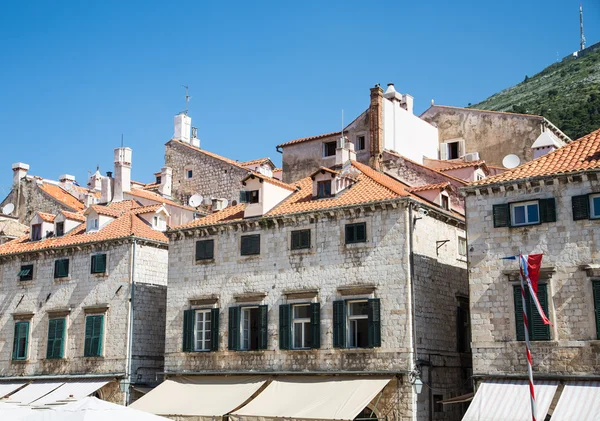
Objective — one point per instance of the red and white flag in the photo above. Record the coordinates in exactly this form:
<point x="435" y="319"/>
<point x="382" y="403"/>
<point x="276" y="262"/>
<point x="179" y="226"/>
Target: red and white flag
<point x="530" y="265"/>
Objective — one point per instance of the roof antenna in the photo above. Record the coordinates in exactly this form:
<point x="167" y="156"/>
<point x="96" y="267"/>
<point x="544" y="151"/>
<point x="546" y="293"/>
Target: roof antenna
<point x="582" y="37"/>
<point x="121" y="139"/>
<point x="187" y="99"/>
<point x="343" y="141"/>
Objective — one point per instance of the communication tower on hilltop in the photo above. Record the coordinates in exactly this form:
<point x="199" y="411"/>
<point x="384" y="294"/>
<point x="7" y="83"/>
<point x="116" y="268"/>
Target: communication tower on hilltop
<point x="582" y="37"/>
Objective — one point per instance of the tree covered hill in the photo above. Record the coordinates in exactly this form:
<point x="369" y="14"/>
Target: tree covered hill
<point x="567" y="93"/>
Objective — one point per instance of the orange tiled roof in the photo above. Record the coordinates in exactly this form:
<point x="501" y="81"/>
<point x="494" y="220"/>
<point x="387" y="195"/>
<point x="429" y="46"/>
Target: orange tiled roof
<point x="62" y="196"/>
<point x="306" y="139"/>
<point x="80" y="189"/>
<point x="270" y="180"/>
<point x="323" y="170"/>
<point x="580" y="155"/>
<point x="277" y="169"/>
<point x="73" y="216"/>
<point x="259" y="161"/>
<point x="213" y="155"/>
<point x="147" y="209"/>
<point x="428" y="168"/>
<point x="146" y="194"/>
<point x="150" y="186"/>
<point x="458" y="165"/>
<point x="127" y="224"/>
<point x="437" y="186"/>
<point x="46" y="217"/>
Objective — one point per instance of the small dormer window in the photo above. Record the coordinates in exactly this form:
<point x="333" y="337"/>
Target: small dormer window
<point x="445" y="202"/>
<point x="158" y="179"/>
<point x="36" y="232"/>
<point x="360" y="143"/>
<point x="60" y="229"/>
<point x="158" y="223"/>
<point x="323" y="189"/>
<point x="249" y="196"/>
<point x="92" y="224"/>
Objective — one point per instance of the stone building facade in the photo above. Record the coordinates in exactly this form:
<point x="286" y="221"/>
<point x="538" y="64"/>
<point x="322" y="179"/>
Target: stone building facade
<point x="328" y="273"/>
<point x="559" y="192"/>
<point x="492" y="134"/>
<point x="53" y="290"/>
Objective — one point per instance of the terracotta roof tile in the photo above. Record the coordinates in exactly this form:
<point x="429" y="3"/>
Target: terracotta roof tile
<point x="149" y="195"/>
<point x="458" y="165"/>
<point x="259" y="161"/>
<point x="306" y="139"/>
<point x="437" y="186"/>
<point x="580" y="155"/>
<point x="205" y="152"/>
<point x="323" y="170"/>
<point x="147" y="209"/>
<point x="125" y="225"/>
<point x="463" y="182"/>
<point x="270" y="180"/>
<point x="75" y="216"/>
<point x="46" y="217"/>
<point x="62" y="196"/>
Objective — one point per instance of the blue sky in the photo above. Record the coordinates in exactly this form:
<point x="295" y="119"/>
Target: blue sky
<point x="75" y="75"/>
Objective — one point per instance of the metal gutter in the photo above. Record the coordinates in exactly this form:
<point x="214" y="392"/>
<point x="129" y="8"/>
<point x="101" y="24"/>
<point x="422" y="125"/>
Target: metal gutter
<point x="539" y="376"/>
<point x="283" y="373"/>
<point x="62" y="376"/>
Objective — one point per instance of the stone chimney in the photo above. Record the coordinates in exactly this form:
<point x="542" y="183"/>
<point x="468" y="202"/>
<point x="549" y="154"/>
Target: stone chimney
<point x="166" y="182"/>
<point x="106" y="188"/>
<point x="19" y="171"/>
<point x="122" y="181"/>
<point x="376" y="126"/>
<point x="183" y="126"/>
<point x="66" y="179"/>
<point x="344" y="152"/>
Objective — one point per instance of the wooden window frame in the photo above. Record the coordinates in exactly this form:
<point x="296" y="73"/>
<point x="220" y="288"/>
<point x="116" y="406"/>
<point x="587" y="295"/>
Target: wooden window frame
<point x="354" y="233"/>
<point x="52" y="341"/>
<point x="205" y="255"/>
<point x="322" y="189"/>
<point x="327" y="148"/>
<point x="248" y="238"/>
<point x="94" y="264"/>
<point x="206" y="343"/>
<point x="88" y="350"/>
<point x="57" y="274"/>
<point x="61" y="232"/>
<point x="16" y="340"/>
<point x="36" y="232"/>
<point x="525" y="205"/>
<point x="593" y="210"/>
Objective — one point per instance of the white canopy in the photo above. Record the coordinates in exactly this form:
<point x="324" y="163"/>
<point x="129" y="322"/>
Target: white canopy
<point x="14" y="412"/>
<point x="76" y="389"/>
<point x="500" y="400"/>
<point x="312" y="397"/>
<point x="199" y="395"/>
<point x="33" y="392"/>
<point x="579" y="401"/>
<point x="6" y="388"/>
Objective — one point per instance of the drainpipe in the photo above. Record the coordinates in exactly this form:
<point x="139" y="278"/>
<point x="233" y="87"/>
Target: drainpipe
<point x="130" y="326"/>
<point x="411" y="302"/>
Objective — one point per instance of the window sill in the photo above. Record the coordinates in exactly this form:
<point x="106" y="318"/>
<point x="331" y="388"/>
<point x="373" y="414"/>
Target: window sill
<point x="250" y="257"/>
<point x="308" y="250"/>
<point x="361" y="245"/>
<point x="19" y="361"/>
<point x="25" y="283"/>
<point x="99" y="358"/>
<point x="65" y="279"/>
<point x="204" y="261"/>
<point x="100" y="275"/>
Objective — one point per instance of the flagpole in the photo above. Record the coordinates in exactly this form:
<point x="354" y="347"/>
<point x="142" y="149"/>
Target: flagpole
<point x="526" y="325"/>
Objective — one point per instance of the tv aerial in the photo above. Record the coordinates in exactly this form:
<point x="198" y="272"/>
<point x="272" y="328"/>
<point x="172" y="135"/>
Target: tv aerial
<point x="511" y="161"/>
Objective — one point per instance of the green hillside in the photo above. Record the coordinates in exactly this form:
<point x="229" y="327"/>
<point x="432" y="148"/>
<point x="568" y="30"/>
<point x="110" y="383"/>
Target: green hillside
<point x="567" y="93"/>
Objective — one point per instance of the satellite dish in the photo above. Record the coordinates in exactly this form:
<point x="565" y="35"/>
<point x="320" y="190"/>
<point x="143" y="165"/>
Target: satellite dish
<point x="8" y="209"/>
<point x="224" y="203"/>
<point x="195" y="200"/>
<point x="511" y="161"/>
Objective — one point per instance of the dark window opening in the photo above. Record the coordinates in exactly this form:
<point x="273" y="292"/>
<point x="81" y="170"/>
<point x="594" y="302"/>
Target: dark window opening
<point x="158" y="179"/>
<point x="189" y="173"/>
<point x="360" y="143"/>
<point x="36" y="232"/>
<point x="463" y="326"/>
<point x="250" y="328"/>
<point x="21" y="339"/>
<point x="26" y="273"/>
<point x="366" y="414"/>
<point x="356" y="233"/>
<point x="60" y="229"/>
<point x="323" y="189"/>
<point x="205" y="249"/>
<point x="300" y="239"/>
<point x="358" y="324"/>
<point x="329" y="148"/>
<point x="437" y="405"/>
<point x="250" y="245"/>
<point x="249" y="196"/>
<point x="445" y="202"/>
<point x="453" y="150"/>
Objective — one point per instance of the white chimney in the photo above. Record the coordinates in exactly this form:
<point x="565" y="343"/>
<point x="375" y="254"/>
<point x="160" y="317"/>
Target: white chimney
<point x="88" y="199"/>
<point x="195" y="140"/>
<point x="183" y="126"/>
<point x="19" y="171"/>
<point x="391" y="93"/>
<point x="408" y="103"/>
<point x="106" y="188"/>
<point x="66" y="178"/>
<point x="344" y="152"/>
<point x="122" y="173"/>
<point x="166" y="181"/>
<point x="95" y="181"/>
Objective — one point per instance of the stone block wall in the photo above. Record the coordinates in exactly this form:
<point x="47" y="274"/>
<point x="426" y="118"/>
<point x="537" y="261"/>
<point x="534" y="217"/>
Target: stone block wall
<point x="211" y="177"/>
<point x="568" y="246"/>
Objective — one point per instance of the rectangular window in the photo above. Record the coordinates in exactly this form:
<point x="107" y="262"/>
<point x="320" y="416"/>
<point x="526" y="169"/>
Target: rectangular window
<point x="99" y="263"/>
<point x="329" y="148"/>
<point x="249" y="196"/>
<point x="323" y="189"/>
<point x="463" y="326"/>
<point x="21" y="340"/>
<point x="60" y="229"/>
<point x="453" y="150"/>
<point x="300" y="239"/>
<point x="203" y="331"/>
<point x="301" y="326"/>
<point x="358" y="324"/>
<point x="36" y="232"/>
<point x="527" y="213"/>
<point x="158" y="179"/>
<point x="596" y="288"/>
<point x="94" y="333"/>
<point x="26" y="273"/>
<point x="594" y="206"/>
<point x="61" y="268"/>
<point x="356" y="233"/>
<point x="462" y="246"/>
<point x="56" y="338"/>
<point x="189" y="173"/>
<point x="360" y="143"/>
<point x="538" y="331"/>
<point x="250" y="245"/>
<point x="205" y="249"/>
<point x="248" y="328"/>
<point x="445" y="202"/>
<point x="438" y="406"/>
<point x="92" y="224"/>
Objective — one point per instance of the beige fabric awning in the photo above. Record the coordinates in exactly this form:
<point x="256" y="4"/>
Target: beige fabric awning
<point x="312" y="397"/>
<point x="199" y="395"/>
<point x="76" y="389"/>
<point x="501" y="400"/>
<point x="33" y="392"/>
<point x="579" y="401"/>
<point x="6" y="388"/>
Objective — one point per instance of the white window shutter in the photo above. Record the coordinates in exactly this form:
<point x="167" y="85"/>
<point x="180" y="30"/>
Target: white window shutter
<point x="443" y="151"/>
<point x="461" y="148"/>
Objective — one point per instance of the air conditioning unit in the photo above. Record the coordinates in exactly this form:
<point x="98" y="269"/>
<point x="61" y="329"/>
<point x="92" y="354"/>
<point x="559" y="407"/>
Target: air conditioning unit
<point x="470" y="157"/>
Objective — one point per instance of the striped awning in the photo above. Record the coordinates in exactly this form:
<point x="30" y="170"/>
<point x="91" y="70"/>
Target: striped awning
<point x="579" y="401"/>
<point x="500" y="400"/>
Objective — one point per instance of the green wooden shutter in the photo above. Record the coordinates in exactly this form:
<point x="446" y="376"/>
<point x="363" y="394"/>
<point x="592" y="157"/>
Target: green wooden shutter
<point x="61" y="268"/>
<point x="501" y="215"/>
<point x="56" y="333"/>
<point x="285" y="327"/>
<point x="315" y="325"/>
<point x="548" y="210"/>
<point x="374" y="338"/>
<point x="21" y="333"/>
<point x="339" y="324"/>
<point x="94" y="336"/>
<point x="596" y="288"/>
<point x="214" y="329"/>
<point x="519" y="313"/>
<point x="263" y="327"/>
<point x="99" y="326"/>
<point x="539" y="331"/>
<point x="189" y="317"/>
<point x="234" y="329"/>
<point x="99" y="263"/>
<point x="89" y="333"/>
<point x="581" y="207"/>
<point x="57" y="269"/>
